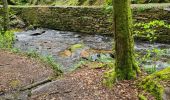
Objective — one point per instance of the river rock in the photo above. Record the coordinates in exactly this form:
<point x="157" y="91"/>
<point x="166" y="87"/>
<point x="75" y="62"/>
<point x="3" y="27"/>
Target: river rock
<point x="166" y="94"/>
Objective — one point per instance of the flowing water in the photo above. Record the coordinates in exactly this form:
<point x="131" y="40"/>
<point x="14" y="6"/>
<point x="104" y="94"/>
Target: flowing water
<point x="59" y="43"/>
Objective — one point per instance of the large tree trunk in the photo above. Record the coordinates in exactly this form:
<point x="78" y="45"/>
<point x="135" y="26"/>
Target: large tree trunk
<point x="126" y="67"/>
<point x="5" y="14"/>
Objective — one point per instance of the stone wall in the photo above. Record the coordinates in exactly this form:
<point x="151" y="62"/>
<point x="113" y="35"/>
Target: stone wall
<point x="79" y="19"/>
<point x="91" y="20"/>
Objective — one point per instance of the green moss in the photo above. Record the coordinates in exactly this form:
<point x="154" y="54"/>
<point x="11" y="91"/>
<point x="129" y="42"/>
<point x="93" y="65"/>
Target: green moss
<point x="15" y="83"/>
<point x="126" y="67"/>
<point x="152" y="83"/>
<point x="96" y="65"/>
<point x="109" y="78"/>
<point x="76" y="46"/>
<point x="7" y="39"/>
<point x="73" y="2"/>
<point x="142" y="97"/>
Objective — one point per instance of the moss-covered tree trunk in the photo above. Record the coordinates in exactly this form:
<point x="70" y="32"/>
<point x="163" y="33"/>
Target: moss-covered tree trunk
<point x="126" y="67"/>
<point x="6" y="15"/>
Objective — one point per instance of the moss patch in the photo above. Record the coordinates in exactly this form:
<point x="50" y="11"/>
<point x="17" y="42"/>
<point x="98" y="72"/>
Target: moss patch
<point x="6" y="39"/>
<point x="109" y="78"/>
<point x="76" y="46"/>
<point x="154" y="83"/>
<point x="142" y="97"/>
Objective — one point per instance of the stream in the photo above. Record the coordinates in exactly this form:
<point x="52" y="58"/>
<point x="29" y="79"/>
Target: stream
<point x="59" y="45"/>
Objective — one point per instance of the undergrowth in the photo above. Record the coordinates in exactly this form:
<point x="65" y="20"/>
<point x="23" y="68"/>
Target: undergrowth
<point x="6" y="39"/>
<point x="49" y="60"/>
<point x="150" y="30"/>
<point x="142" y="97"/>
<point x="150" y="56"/>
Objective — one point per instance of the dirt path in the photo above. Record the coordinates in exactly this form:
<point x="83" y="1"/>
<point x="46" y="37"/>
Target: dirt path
<point x="82" y="84"/>
<point x="17" y="71"/>
<point x="85" y="84"/>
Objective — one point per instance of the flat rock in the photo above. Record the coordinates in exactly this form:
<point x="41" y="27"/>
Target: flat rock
<point x="166" y="95"/>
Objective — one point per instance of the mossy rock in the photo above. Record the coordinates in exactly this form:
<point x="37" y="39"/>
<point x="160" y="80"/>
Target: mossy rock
<point x="157" y="84"/>
<point x="75" y="47"/>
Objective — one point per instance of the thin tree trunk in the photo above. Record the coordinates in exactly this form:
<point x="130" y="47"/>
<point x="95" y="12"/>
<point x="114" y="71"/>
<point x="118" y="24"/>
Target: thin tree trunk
<point x="6" y="15"/>
<point x="126" y="67"/>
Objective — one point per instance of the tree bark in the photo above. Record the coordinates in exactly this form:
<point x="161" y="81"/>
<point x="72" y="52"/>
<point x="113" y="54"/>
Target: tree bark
<point x="5" y="14"/>
<point x="126" y="67"/>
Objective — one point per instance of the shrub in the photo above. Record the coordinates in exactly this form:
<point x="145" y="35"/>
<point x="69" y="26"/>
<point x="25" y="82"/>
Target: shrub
<point x="6" y="39"/>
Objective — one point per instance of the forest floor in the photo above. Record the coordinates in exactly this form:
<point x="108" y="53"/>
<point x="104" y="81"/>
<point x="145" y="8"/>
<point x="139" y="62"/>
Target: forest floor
<point x="18" y="71"/>
<point x="83" y="84"/>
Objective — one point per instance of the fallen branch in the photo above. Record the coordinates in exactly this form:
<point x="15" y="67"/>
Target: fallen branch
<point x="36" y="84"/>
<point x="4" y="64"/>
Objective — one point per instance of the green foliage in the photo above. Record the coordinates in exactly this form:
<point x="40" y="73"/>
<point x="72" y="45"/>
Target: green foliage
<point x="141" y="9"/>
<point x="148" y="56"/>
<point x="107" y="8"/>
<point x="109" y="78"/>
<point x="13" y="20"/>
<point x="78" y="2"/>
<point x="102" y="62"/>
<point x="150" y="70"/>
<point x="106" y="62"/>
<point x="152" y="83"/>
<point x="150" y="30"/>
<point x="32" y="54"/>
<point x="32" y="2"/>
<point x="137" y="1"/>
<point x="72" y="2"/>
<point x="15" y="50"/>
<point x="108" y="2"/>
<point x="46" y="59"/>
<point x="155" y="88"/>
<point x="1" y="21"/>
<point x="81" y="2"/>
<point x="49" y="60"/>
<point x="105" y="59"/>
<point x="142" y="97"/>
<point x="151" y="55"/>
<point x="75" y="2"/>
<point x="77" y="65"/>
<point x="6" y="39"/>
